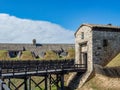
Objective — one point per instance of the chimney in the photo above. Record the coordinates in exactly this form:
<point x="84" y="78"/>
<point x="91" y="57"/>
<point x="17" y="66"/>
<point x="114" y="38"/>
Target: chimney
<point x="34" y="41"/>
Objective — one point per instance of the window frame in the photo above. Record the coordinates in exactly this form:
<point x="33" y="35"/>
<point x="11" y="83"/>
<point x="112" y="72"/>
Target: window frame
<point x="82" y="35"/>
<point x="105" y="42"/>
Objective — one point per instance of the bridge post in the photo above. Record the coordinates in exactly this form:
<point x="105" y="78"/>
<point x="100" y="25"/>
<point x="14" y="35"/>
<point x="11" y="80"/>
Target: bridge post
<point x="1" y="79"/>
<point x="25" y="83"/>
<point x="9" y="83"/>
<point x="29" y="83"/>
<point x="62" y="81"/>
<point x="0" y="85"/>
<point x="57" y="78"/>
<point x="57" y="81"/>
<point x="47" y="82"/>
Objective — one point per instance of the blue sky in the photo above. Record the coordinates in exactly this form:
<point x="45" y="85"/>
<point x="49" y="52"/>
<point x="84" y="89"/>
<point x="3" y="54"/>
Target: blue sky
<point x="67" y="13"/>
<point x="23" y="20"/>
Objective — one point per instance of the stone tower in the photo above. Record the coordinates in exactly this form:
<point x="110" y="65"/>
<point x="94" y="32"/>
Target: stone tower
<point x="34" y="41"/>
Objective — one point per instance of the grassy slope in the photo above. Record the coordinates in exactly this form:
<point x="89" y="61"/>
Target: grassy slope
<point x="115" y="62"/>
<point x="71" y="53"/>
<point x="50" y="55"/>
<point x="101" y="82"/>
<point x="27" y="55"/>
<point x="4" y="55"/>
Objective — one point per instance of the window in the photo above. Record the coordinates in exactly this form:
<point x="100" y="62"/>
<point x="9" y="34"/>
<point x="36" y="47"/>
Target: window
<point x="82" y="35"/>
<point x="105" y="43"/>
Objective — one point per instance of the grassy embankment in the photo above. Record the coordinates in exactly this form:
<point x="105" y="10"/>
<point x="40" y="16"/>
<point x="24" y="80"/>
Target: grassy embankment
<point x="103" y="82"/>
<point x="4" y="55"/>
<point x="27" y="55"/>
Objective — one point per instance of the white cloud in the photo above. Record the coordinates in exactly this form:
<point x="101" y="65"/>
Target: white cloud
<point x="17" y="30"/>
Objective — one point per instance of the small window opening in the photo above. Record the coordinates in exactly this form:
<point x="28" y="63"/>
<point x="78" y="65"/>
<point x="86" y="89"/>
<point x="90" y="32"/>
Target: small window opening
<point x="105" y="43"/>
<point x="82" y="35"/>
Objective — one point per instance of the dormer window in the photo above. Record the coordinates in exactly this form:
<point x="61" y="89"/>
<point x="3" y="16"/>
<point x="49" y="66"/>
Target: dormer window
<point x="82" y="35"/>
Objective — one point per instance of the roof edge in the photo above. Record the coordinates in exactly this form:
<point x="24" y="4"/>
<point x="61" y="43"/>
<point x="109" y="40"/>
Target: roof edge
<point x="94" y="26"/>
<point x="84" y="24"/>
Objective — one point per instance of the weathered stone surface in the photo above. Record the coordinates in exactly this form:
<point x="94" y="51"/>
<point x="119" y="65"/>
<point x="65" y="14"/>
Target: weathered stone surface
<point x="38" y="49"/>
<point x="98" y="45"/>
<point x="82" y="46"/>
<point x="102" y="55"/>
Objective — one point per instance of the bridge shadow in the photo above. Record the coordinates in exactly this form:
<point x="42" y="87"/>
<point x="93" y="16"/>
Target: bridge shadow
<point x="113" y="72"/>
<point x="67" y="88"/>
<point x="74" y="83"/>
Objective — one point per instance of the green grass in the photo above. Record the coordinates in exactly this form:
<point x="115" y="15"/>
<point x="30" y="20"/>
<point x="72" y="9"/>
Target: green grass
<point x="71" y="53"/>
<point x="4" y="55"/>
<point x="27" y="55"/>
<point x="94" y="84"/>
<point x="52" y="88"/>
<point x="15" y="58"/>
<point x="114" y="62"/>
<point x="101" y="82"/>
<point x="50" y="55"/>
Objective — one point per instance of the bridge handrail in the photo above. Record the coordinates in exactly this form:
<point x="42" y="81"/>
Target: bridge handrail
<point x="29" y="66"/>
<point x="6" y="64"/>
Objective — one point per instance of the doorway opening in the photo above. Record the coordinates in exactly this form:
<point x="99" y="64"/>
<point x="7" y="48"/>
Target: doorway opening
<point x="84" y="58"/>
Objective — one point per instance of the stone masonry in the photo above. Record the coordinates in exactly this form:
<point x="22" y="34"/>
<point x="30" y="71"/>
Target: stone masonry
<point x="95" y="44"/>
<point x="37" y="49"/>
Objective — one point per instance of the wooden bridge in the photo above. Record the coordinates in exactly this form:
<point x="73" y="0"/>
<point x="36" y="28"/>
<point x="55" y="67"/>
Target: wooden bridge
<point x="52" y="72"/>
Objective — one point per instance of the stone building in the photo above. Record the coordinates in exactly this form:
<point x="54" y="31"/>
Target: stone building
<point x="96" y="44"/>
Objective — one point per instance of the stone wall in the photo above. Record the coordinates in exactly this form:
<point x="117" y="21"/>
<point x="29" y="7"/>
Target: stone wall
<point x="83" y="45"/>
<point x="88" y="48"/>
<point x="38" y="49"/>
<point x="103" y="54"/>
<point x="100" y="42"/>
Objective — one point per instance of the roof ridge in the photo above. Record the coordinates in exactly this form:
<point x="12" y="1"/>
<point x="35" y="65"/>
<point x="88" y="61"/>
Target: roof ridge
<point x="100" y="25"/>
<point x="104" y="26"/>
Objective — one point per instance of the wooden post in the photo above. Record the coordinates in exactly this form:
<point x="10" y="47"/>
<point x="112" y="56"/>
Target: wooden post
<point x="1" y="78"/>
<point x="25" y="84"/>
<point x="47" y="82"/>
<point x="1" y="85"/>
<point x="57" y="78"/>
<point x="62" y="81"/>
<point x="9" y="83"/>
<point x="29" y="83"/>
<point x="2" y="82"/>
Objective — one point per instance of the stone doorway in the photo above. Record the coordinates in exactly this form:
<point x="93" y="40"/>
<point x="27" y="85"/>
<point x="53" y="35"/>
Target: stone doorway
<point x="84" y="58"/>
<point x="83" y="54"/>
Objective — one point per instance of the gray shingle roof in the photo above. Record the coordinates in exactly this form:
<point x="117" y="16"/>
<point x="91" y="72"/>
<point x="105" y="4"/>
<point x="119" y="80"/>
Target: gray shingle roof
<point x="100" y="27"/>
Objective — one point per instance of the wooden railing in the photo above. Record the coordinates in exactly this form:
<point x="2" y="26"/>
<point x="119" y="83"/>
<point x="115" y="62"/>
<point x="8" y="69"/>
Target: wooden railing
<point x="7" y="67"/>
